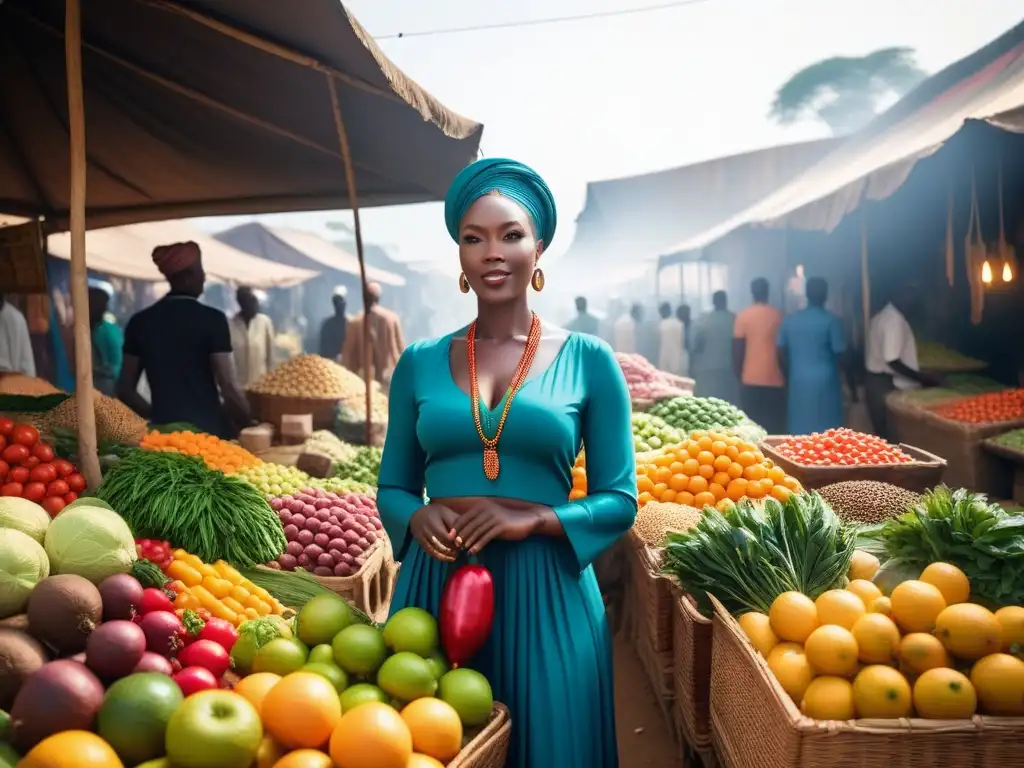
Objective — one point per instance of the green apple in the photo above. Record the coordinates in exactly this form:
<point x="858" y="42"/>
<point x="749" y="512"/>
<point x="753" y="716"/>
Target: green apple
<point x="214" y="729"/>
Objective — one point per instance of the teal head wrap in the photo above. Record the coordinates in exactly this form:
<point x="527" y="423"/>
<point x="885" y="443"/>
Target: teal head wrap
<point x="509" y="178"/>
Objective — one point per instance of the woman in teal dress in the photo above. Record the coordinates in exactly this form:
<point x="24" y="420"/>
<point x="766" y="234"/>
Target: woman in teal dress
<point x="107" y="341"/>
<point x="549" y="655"/>
<point x="811" y="346"/>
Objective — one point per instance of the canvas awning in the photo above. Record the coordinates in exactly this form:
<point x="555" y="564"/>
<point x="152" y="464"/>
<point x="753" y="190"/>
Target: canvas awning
<point x="207" y="107"/>
<point x="629" y="217"/>
<point x="987" y="85"/>
<point x="126" y="252"/>
<point x="303" y="250"/>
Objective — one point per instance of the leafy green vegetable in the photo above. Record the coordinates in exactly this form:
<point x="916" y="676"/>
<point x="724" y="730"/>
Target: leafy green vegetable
<point x="746" y="557"/>
<point x="964" y="529"/>
<point x="31" y="403"/>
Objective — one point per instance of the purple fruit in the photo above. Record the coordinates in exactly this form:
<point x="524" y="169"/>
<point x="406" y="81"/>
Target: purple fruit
<point x="309" y="510"/>
<point x="326" y="560"/>
<point x="350" y="537"/>
<point x="377" y="524"/>
<point x="343" y="569"/>
<point x="347" y="557"/>
<point x="294" y="548"/>
<point x="337" y="543"/>
<point x="114" y="648"/>
<point x="371" y="536"/>
<point x="304" y="537"/>
<point x="298" y="520"/>
<point x="334" y="531"/>
<point x="288" y="562"/>
<point x="322" y="540"/>
<point x="322" y="571"/>
<point x="313" y="552"/>
<point x="277" y="504"/>
<point x="121" y="595"/>
<point x="291" y="531"/>
<point x="303" y="560"/>
<point x="60" y="696"/>
<point x="364" y="543"/>
<point x="355" y="550"/>
<point x="323" y="515"/>
<point x="312" y="524"/>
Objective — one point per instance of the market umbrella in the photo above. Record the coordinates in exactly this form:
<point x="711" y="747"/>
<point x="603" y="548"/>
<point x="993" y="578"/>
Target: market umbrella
<point x="204" y="108"/>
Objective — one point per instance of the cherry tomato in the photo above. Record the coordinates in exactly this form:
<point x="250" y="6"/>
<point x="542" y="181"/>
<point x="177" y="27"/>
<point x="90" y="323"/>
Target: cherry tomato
<point x="31" y="462"/>
<point x="75" y="482"/>
<point x="35" y="492"/>
<point x="25" y="434"/>
<point x="6" y="427"/>
<point x="70" y="496"/>
<point x="15" y="453"/>
<point x="53" y="505"/>
<point x="64" y="468"/>
<point x="57" y="488"/>
<point x="4" y="470"/>
<point x="43" y="452"/>
<point x="44" y="473"/>
<point x="12" y="489"/>
<point x="19" y="475"/>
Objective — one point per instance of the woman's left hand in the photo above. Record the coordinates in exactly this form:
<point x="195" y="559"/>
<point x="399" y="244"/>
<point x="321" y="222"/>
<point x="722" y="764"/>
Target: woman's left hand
<point x="490" y="520"/>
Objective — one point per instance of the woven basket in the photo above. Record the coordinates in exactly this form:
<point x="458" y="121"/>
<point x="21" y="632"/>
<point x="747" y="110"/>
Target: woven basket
<point x="691" y="649"/>
<point x="653" y="594"/>
<point x="489" y="748"/>
<point x="270" y="409"/>
<point x="644" y="608"/>
<point x="755" y="724"/>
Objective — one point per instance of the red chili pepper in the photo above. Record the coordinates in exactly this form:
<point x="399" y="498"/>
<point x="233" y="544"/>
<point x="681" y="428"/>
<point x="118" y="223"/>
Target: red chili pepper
<point x="467" y="613"/>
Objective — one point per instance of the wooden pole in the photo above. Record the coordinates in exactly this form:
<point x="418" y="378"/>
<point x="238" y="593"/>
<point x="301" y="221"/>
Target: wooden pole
<point x="350" y="180"/>
<point x="88" y="456"/>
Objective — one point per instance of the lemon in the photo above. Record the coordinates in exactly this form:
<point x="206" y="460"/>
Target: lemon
<point x="969" y="631"/>
<point x="828" y="698"/>
<point x="864" y="589"/>
<point x="944" y="694"/>
<point x="832" y="650"/>
<point x="758" y="629"/>
<point x="949" y="580"/>
<point x="878" y="640"/>
<point x="882" y="692"/>
<point x="1011" y="619"/>
<point x="882" y="605"/>
<point x="999" y="682"/>
<point x="839" y="607"/>
<point x="793" y="617"/>
<point x="863" y="565"/>
<point x="789" y="664"/>
<point x="916" y="605"/>
<point x="921" y="652"/>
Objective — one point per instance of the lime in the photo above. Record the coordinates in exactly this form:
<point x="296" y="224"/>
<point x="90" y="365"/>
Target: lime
<point x="361" y="693"/>
<point x="406" y="676"/>
<point x="322" y="618"/>
<point x="438" y="665"/>
<point x="469" y="694"/>
<point x="413" y="630"/>
<point x="335" y="674"/>
<point x="321" y="654"/>
<point x="359" y="649"/>
<point x="281" y="656"/>
<point x="135" y="714"/>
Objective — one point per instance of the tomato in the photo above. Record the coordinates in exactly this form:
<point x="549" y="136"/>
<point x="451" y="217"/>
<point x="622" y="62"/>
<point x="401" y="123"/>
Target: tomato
<point x="57" y="488"/>
<point x="19" y="475"/>
<point x="53" y="505"/>
<point x="35" y="492"/>
<point x="3" y="442"/>
<point x="64" y="468"/>
<point x="4" y="470"/>
<point x="25" y="434"/>
<point x="11" y="489"/>
<point x="70" y="496"/>
<point x="44" y="473"/>
<point x="43" y="452"/>
<point x="31" y="462"/>
<point x="15" y="454"/>
<point x="6" y="427"/>
<point x="75" y="482"/>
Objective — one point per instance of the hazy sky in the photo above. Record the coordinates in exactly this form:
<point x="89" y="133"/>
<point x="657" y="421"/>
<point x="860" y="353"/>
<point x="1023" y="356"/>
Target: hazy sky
<point x="595" y="99"/>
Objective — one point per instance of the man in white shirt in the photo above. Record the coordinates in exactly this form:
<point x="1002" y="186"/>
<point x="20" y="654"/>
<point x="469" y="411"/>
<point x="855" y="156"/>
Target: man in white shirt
<point x="891" y="357"/>
<point x="624" y="332"/>
<point x="15" y="342"/>
<point x="671" y="340"/>
<point x="252" y="338"/>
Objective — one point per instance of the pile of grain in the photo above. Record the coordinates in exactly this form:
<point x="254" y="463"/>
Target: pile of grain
<point x="19" y="384"/>
<point x="310" y="376"/>
<point x="115" y="421"/>
<point x="655" y="519"/>
<point x="868" y="501"/>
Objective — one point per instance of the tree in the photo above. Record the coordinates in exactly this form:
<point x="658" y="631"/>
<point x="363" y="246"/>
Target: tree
<point x="845" y="92"/>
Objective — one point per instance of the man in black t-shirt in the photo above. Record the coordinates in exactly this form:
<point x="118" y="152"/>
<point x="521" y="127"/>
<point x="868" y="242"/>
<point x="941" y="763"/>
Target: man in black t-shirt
<point x="184" y="347"/>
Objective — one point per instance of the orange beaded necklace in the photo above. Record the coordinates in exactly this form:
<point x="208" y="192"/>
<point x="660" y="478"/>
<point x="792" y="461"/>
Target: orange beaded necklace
<point x="491" y="465"/>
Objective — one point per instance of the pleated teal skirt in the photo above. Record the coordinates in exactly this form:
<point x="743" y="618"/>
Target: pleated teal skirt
<point x="549" y="656"/>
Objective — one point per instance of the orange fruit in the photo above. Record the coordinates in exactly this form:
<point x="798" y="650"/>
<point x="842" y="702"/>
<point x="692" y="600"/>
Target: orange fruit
<point x="706" y="458"/>
<point x="704" y="499"/>
<point x="268" y="753"/>
<point x="828" y="698"/>
<point x="921" y="652"/>
<point x="949" y="580"/>
<point x="301" y="711"/>
<point x="758" y="629"/>
<point x="305" y="758"/>
<point x="865" y="590"/>
<point x="691" y="467"/>
<point x="737" y="489"/>
<point x="916" y="605"/>
<point x="734" y="471"/>
<point x="417" y="760"/>
<point x="668" y="496"/>
<point x="999" y="680"/>
<point x="781" y="493"/>
<point x="839" y="607"/>
<point x="706" y="471"/>
<point x="745" y="459"/>
<point x="676" y="467"/>
<point x="659" y="488"/>
<point x="831" y="650"/>
<point x="435" y="727"/>
<point x="878" y="640"/>
<point x="718" y="447"/>
<point x="882" y="692"/>
<point x="663" y="475"/>
<point x="791" y="668"/>
<point x="685" y="498"/>
<point x="944" y="694"/>
<point x="717" y="490"/>
<point x="679" y="482"/>
<point x="644" y="498"/>
<point x="777" y="475"/>
<point x="722" y="463"/>
<point x="793" y="617"/>
<point x="705" y="442"/>
<point x="1011" y="619"/>
<point x="71" y="749"/>
<point x="372" y="735"/>
<point x="755" y="490"/>
<point x="722" y="478"/>
<point x="969" y="631"/>
<point x="697" y="484"/>
<point x="255" y="687"/>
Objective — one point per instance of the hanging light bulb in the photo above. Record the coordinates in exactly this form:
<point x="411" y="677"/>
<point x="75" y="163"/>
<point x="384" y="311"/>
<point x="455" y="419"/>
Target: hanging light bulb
<point x="986" y="273"/>
<point x="1007" y="272"/>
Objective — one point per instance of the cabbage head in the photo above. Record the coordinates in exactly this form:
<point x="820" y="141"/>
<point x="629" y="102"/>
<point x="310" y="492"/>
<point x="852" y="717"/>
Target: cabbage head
<point x="23" y="564"/>
<point x="91" y="542"/>
<point x="25" y="516"/>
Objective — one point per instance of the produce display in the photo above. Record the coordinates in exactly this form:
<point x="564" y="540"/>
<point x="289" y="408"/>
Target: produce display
<point x="923" y="651"/>
<point x="218" y="588"/>
<point x="20" y="384"/>
<point x="690" y="413"/>
<point x="841" y="448"/>
<point x="328" y="534"/>
<point x="971" y="383"/>
<point x="175" y="497"/>
<point x="990" y="408"/>
<point x="30" y="470"/>
<point x="868" y="501"/>
<point x="352" y="411"/>
<point x="708" y="468"/>
<point x="962" y="528"/>
<point x="651" y="433"/>
<point x="645" y="382"/>
<point x="655" y="520"/>
<point x="279" y="480"/>
<point x="65" y="445"/>
<point x="748" y="556"/>
<point x="363" y="467"/>
<point x="326" y="442"/>
<point x="310" y="376"/>
<point x="1014" y="440"/>
<point x="115" y="421"/>
<point x="219" y="454"/>
<point x="932" y="356"/>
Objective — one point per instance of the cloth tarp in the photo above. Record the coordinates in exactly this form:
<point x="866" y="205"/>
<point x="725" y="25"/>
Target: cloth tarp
<point x="184" y="119"/>
<point x="126" y="252"/>
<point x="303" y="250"/>
<point x="874" y="163"/>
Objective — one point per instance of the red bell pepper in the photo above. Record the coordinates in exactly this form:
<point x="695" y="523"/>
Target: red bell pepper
<point x="467" y="613"/>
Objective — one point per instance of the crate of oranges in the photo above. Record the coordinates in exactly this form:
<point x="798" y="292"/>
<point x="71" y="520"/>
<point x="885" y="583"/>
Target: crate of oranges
<point x="710" y="469"/>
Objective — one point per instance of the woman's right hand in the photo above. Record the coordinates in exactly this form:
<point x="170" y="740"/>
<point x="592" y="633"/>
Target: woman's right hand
<point x="431" y="526"/>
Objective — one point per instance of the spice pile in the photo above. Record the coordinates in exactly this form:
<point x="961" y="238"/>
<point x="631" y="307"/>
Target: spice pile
<point x="841" y="448"/>
<point x="115" y="421"/>
<point x="990" y="408"/>
<point x="309" y="376"/>
<point x="655" y="520"/>
<point x="868" y="501"/>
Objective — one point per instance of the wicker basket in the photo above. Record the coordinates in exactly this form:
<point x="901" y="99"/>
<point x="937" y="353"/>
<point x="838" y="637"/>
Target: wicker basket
<point x="691" y="651"/>
<point x="653" y="594"/>
<point x="270" y="408"/>
<point x="924" y="472"/>
<point x="489" y="748"/>
<point x="755" y="724"/>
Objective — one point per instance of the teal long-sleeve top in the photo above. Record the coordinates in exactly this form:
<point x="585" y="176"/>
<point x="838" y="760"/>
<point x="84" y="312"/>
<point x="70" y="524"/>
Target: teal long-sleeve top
<point x="581" y="399"/>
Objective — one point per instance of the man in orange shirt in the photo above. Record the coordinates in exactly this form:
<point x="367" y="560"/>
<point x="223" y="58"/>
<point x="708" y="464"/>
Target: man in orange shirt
<point x="755" y="334"/>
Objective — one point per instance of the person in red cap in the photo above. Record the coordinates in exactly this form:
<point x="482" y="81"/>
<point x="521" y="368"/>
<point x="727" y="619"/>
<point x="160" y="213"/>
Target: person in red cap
<point x="184" y="347"/>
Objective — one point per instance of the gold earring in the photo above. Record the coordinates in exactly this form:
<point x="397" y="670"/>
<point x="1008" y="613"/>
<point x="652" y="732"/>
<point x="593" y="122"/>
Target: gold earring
<point x="463" y="282"/>
<point x="537" y="281"/>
